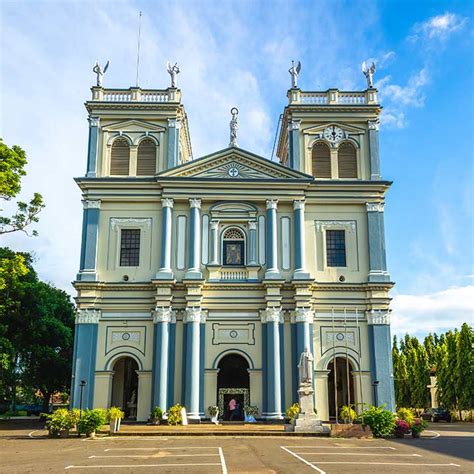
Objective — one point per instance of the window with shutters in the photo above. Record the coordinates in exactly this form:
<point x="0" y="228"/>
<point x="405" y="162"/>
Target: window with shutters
<point x="130" y="247"/>
<point x="146" y="158"/>
<point x="120" y="157"/>
<point x="336" y="248"/>
<point x="321" y="158"/>
<point x="347" y="161"/>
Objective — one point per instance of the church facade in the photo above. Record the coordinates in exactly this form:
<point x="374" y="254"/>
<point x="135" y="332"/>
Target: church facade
<point x="204" y="279"/>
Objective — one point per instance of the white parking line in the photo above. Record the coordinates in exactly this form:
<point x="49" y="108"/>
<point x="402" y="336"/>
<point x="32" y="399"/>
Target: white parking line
<point x="153" y="456"/>
<point x="223" y="464"/>
<point x="163" y="448"/>
<point x="30" y="433"/>
<point x="116" y="466"/>
<point x="388" y="463"/>
<point x="341" y="447"/>
<point x="366" y="454"/>
<point x="311" y="465"/>
<point x="437" y="435"/>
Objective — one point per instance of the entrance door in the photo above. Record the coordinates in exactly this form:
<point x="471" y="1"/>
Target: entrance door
<point x="342" y="384"/>
<point x="233" y="383"/>
<point x="125" y="386"/>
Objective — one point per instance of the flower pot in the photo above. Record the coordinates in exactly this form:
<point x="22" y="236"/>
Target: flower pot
<point x="214" y="418"/>
<point x="415" y="434"/>
<point x="399" y="434"/>
<point x="115" y="425"/>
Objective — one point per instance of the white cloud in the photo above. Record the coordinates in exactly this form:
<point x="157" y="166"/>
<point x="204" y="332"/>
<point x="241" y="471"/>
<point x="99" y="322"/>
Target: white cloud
<point x="438" y="27"/>
<point x="433" y="312"/>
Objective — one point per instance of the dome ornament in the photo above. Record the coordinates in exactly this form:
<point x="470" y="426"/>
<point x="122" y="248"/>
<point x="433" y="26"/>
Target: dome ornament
<point x="234" y="125"/>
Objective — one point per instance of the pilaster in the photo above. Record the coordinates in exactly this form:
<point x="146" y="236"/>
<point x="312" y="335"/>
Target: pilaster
<point x="273" y="271"/>
<point x="294" y="144"/>
<point x="373" y="126"/>
<point x="174" y="126"/>
<point x="165" y="271"/>
<point x="194" y="263"/>
<point x="90" y="230"/>
<point x="376" y="235"/>
<point x="300" y="272"/>
<point x="92" y="148"/>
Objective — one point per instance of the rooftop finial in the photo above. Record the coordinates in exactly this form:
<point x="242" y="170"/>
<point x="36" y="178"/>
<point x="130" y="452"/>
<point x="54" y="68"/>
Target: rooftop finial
<point x="234" y="125"/>
<point x="100" y="72"/>
<point x="173" y="71"/>
<point x="294" y="72"/>
<point x="369" y="74"/>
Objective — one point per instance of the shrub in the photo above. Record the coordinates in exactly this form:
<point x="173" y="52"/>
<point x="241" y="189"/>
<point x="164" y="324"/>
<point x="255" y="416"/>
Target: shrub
<point x="212" y="410"/>
<point x="174" y="415"/>
<point x="419" y="425"/>
<point x="75" y="415"/>
<point x="92" y="420"/>
<point x="115" y="413"/>
<point x="292" y="412"/>
<point x="406" y="414"/>
<point x="251" y="410"/>
<point x="381" y="421"/>
<point x="156" y="414"/>
<point x="401" y="428"/>
<point x="347" y="413"/>
<point x="60" y="420"/>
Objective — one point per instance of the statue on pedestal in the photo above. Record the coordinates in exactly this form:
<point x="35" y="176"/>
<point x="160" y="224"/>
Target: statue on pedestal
<point x="294" y="72"/>
<point x="305" y="367"/>
<point x="100" y="72"/>
<point x="369" y="74"/>
<point x="173" y="71"/>
<point x="234" y="125"/>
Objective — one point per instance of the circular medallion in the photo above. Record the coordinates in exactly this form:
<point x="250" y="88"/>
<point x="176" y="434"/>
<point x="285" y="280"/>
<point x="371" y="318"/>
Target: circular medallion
<point x="333" y="134"/>
<point x="126" y="336"/>
<point x="233" y="334"/>
<point x="233" y="172"/>
<point x="340" y="336"/>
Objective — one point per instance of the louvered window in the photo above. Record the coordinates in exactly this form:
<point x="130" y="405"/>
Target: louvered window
<point x="347" y="161"/>
<point x="321" y="161"/>
<point x="120" y="157"/>
<point x="146" y="159"/>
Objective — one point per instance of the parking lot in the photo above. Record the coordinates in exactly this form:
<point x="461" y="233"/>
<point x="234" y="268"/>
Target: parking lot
<point x="445" y="448"/>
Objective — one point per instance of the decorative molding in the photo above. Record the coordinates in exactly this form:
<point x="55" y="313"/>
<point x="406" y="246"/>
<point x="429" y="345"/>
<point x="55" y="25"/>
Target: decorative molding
<point x="294" y="125"/>
<point x="375" y="206"/>
<point x="272" y="203"/>
<point x="117" y="222"/>
<point x="167" y="202"/>
<point x="93" y="121"/>
<point x="298" y="205"/>
<point x="252" y="225"/>
<point x="88" y="316"/>
<point x="163" y="314"/>
<point x="194" y="315"/>
<point x="214" y="225"/>
<point x="174" y="123"/>
<point x="272" y="315"/>
<point x="91" y="204"/>
<point x="373" y="124"/>
<point x="195" y="203"/>
<point x="323" y="225"/>
<point x="302" y="315"/>
<point x="378" y="317"/>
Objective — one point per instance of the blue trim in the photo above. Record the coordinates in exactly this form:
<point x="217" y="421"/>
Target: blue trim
<point x="186" y="372"/>
<point x="89" y="239"/>
<point x="92" y="151"/>
<point x="173" y="147"/>
<point x="294" y="363"/>
<point x="171" y="364"/>
<point x="202" y="347"/>
<point x="264" y="369"/>
<point x="156" y="372"/>
<point x="83" y="239"/>
<point x="282" y="365"/>
<point x="73" y="374"/>
<point x="374" y="155"/>
<point x="294" y="149"/>
<point x="271" y="371"/>
<point x="377" y="257"/>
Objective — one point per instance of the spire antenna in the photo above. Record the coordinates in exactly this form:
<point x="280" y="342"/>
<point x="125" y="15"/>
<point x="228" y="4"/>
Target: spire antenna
<point x="138" y="45"/>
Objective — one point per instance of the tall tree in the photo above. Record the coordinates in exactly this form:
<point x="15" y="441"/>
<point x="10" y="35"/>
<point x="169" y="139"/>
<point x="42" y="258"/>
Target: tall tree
<point x="465" y="369"/>
<point x="446" y="372"/>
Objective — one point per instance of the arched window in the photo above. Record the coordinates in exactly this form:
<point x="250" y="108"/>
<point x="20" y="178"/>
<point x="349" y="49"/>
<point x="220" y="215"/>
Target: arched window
<point x="321" y="160"/>
<point x="120" y="157"/>
<point x="146" y="158"/>
<point x="233" y="247"/>
<point x="347" y="161"/>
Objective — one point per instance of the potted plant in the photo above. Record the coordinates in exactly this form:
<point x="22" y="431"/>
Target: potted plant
<point x="213" y="413"/>
<point x="156" y="416"/>
<point x="59" y="423"/>
<point x="401" y="428"/>
<point x="418" y="426"/>
<point x="406" y="414"/>
<point x="174" y="415"/>
<point x="91" y="421"/>
<point x="348" y="414"/>
<point x="380" y="421"/>
<point x="292" y="412"/>
<point x="251" y="412"/>
<point x="114" y="416"/>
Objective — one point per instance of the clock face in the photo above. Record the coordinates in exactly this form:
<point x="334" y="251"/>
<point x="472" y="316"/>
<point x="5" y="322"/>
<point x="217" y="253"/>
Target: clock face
<point x="333" y="134"/>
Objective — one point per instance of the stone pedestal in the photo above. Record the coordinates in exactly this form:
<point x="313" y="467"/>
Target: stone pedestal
<point x="307" y="421"/>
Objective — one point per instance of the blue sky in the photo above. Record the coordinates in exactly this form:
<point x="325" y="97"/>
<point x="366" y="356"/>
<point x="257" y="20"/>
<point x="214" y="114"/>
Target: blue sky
<point x="238" y="54"/>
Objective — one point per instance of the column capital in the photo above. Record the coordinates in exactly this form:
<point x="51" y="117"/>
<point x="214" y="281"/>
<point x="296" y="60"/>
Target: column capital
<point x="272" y="203"/>
<point x="93" y="121"/>
<point x="167" y="202"/>
<point x="373" y="124"/>
<point x="194" y="202"/>
<point x="252" y="225"/>
<point x="271" y="315"/>
<point x="302" y="315"/>
<point x="91" y="204"/>
<point x="378" y="316"/>
<point x="174" y="123"/>
<point x="214" y="225"/>
<point x="88" y="316"/>
<point x="194" y="315"/>
<point x="375" y="206"/>
<point x="299" y="204"/>
<point x="294" y="125"/>
<point x="163" y="314"/>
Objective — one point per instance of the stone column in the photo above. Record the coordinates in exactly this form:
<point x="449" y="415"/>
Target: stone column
<point x="272" y="240"/>
<point x="166" y="226"/>
<point x="92" y="147"/>
<point x="90" y="231"/>
<point x="272" y="317"/>
<point x="192" y="318"/>
<point x="374" y="149"/>
<point x="194" y="264"/>
<point x="143" y="396"/>
<point x="174" y="126"/>
<point x="214" y="260"/>
<point x="252" y="243"/>
<point x="84" y="358"/>
<point x="376" y="235"/>
<point x="321" y="393"/>
<point x="303" y="318"/>
<point x="162" y="318"/>
<point x="381" y="358"/>
<point x="294" y="144"/>
<point x="300" y="249"/>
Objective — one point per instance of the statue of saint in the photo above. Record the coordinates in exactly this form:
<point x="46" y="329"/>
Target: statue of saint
<point x="305" y="367"/>
<point x="100" y="72"/>
<point x="369" y="74"/>
<point x="234" y="125"/>
<point x="294" y="72"/>
<point x="173" y="71"/>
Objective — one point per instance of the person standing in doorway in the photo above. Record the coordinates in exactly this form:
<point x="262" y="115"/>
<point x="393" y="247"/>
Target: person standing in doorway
<point x="232" y="408"/>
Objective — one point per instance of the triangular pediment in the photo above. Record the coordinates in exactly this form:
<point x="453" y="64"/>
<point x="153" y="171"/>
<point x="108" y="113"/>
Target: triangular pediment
<point x="133" y="126"/>
<point x="234" y="163"/>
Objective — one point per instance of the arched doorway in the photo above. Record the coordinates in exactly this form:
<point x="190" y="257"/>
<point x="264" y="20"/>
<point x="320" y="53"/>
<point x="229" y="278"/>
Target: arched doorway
<point x="233" y="383"/>
<point x="344" y="381"/>
<point x="125" y="386"/>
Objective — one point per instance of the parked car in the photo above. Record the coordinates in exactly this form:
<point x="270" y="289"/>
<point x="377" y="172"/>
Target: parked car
<point x="436" y="414"/>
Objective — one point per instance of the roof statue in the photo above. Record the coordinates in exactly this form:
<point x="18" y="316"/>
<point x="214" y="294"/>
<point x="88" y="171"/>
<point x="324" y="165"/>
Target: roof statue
<point x="369" y="74"/>
<point x="294" y="72"/>
<point x="234" y="125"/>
<point x="100" y="72"/>
<point x="173" y="71"/>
